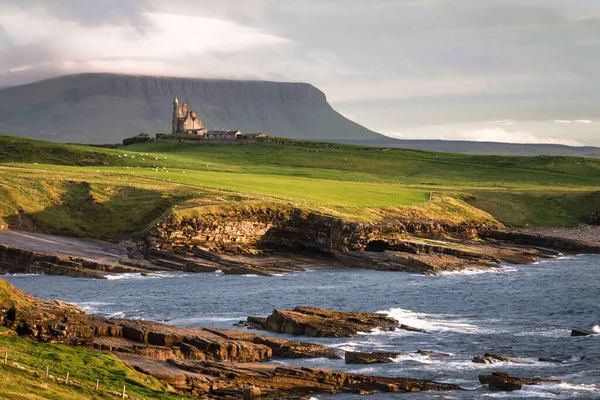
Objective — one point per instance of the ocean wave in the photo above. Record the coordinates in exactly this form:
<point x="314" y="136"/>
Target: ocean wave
<point x="347" y="346"/>
<point x="478" y="271"/>
<point x="154" y="275"/>
<point x="117" y="315"/>
<point x="431" y="323"/>
<point x="91" y="307"/>
<point x="130" y="275"/>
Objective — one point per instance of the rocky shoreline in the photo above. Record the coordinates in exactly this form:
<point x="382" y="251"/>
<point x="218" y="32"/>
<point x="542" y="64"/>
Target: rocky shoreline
<point x="219" y="363"/>
<point x="228" y="363"/>
<point x="424" y="248"/>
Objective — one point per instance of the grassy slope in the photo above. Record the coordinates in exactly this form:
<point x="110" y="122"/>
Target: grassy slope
<point x="84" y="367"/>
<point x="11" y="296"/>
<point x="352" y="181"/>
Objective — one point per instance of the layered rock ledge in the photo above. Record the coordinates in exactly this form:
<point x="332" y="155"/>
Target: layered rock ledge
<point x="505" y="382"/>
<point x="320" y="322"/>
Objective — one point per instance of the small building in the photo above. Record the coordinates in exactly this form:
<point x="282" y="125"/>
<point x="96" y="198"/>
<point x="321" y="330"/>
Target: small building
<point x="253" y="136"/>
<point x="224" y="135"/>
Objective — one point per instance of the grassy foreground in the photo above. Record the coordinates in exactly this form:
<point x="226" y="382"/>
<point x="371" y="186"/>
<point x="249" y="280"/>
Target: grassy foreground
<point x="84" y="366"/>
<point x="101" y="192"/>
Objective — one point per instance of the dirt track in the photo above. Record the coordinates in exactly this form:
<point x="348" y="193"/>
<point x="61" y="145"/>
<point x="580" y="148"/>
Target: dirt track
<point x="102" y="252"/>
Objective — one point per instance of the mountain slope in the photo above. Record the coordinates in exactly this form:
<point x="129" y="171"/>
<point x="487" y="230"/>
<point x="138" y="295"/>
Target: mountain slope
<point x="105" y="108"/>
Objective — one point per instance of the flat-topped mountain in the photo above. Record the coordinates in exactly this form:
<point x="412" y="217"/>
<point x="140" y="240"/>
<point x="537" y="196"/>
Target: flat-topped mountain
<point x="105" y="108"/>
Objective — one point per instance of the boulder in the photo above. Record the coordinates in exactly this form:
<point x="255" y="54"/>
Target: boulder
<point x="320" y="322"/>
<point x="552" y="360"/>
<point x="505" y="382"/>
<point x="376" y="357"/>
<point x="252" y="393"/>
<point x="433" y="353"/>
<point x="582" y="332"/>
<point x="489" y="358"/>
<point x="412" y="328"/>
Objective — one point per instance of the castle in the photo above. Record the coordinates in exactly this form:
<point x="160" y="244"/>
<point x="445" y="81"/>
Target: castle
<point x="186" y="120"/>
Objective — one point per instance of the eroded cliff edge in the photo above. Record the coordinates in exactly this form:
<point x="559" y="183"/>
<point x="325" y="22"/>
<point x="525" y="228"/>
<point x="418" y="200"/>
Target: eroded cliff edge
<point x="273" y="238"/>
<point x="259" y="234"/>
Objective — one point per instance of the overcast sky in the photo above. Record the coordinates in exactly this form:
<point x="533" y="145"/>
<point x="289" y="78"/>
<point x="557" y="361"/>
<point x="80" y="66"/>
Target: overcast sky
<point x="503" y="70"/>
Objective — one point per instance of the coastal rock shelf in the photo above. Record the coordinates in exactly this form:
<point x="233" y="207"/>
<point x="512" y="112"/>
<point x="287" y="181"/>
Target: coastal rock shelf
<point x="505" y="382"/>
<point x="320" y="322"/>
<point x="438" y="248"/>
<point x="214" y="362"/>
<point x="376" y="357"/>
<point x="231" y="379"/>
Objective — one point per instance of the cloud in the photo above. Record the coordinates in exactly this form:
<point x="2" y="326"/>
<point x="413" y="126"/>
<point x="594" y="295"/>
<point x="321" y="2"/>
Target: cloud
<point x="174" y="44"/>
<point x="506" y="122"/>
<point x="20" y="69"/>
<point x="441" y="62"/>
<point x="504" y="136"/>
<point x="563" y="121"/>
<point x="584" y="121"/>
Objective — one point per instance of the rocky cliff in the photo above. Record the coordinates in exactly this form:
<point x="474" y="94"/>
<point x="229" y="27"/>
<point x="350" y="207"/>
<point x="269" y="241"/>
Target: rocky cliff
<point x="211" y="241"/>
<point x="105" y="108"/>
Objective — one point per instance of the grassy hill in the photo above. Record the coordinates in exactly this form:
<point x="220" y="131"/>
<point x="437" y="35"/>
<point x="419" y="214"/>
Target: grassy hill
<point x="101" y="192"/>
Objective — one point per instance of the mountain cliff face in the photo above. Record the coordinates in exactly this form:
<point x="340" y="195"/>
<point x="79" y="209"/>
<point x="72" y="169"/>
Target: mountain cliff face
<point x="105" y="108"/>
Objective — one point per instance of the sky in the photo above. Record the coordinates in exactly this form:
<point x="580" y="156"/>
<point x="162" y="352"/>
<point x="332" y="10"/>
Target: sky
<point x="522" y="71"/>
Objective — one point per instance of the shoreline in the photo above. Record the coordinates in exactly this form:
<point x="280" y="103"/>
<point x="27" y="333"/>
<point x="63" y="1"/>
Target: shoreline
<point x="426" y="253"/>
<point x="584" y="232"/>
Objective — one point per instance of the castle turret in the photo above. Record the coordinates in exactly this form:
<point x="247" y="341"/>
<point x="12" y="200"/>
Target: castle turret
<point x="175" y="115"/>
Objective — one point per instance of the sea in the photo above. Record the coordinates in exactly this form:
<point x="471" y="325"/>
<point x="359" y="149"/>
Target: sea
<point x="525" y="311"/>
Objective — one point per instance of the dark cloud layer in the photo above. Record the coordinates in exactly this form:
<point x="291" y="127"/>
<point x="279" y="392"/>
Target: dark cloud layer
<point x="409" y="62"/>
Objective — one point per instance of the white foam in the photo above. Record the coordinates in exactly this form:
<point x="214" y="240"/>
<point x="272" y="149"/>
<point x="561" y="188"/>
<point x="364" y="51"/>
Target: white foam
<point x="130" y="275"/>
<point x="118" y="314"/>
<point x="579" y="387"/>
<point x="154" y="275"/>
<point x="165" y="274"/>
<point x="596" y="328"/>
<point x="346" y="346"/>
<point x="91" y="306"/>
<point x="430" y="323"/>
<point x="505" y="269"/>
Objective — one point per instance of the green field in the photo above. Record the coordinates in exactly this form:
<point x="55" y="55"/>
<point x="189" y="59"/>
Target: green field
<point x="101" y="192"/>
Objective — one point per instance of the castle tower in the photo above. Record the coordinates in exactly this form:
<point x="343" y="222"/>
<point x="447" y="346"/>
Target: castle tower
<point x="175" y="115"/>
